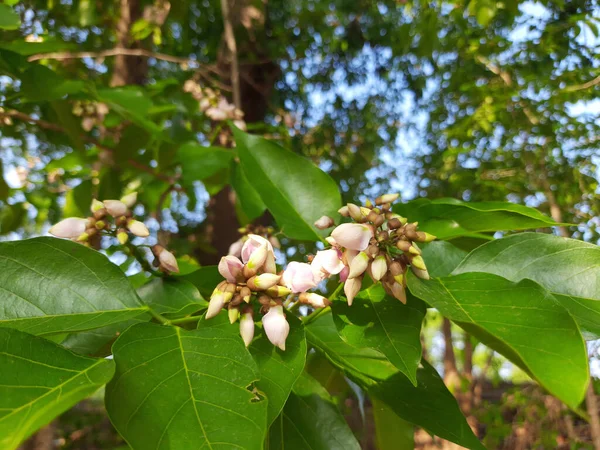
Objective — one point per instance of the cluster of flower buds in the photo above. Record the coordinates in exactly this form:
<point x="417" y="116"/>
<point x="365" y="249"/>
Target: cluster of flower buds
<point x="254" y="281"/>
<point x="91" y="113"/>
<point x="235" y="249"/>
<point x="214" y="105"/>
<point x="379" y="243"/>
<point x="111" y="218"/>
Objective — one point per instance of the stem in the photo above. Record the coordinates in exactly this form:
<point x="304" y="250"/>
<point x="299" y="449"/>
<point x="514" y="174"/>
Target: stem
<point x="334" y="295"/>
<point x="185" y="320"/>
<point x="158" y="317"/>
<point x="315" y="315"/>
<point x="133" y="251"/>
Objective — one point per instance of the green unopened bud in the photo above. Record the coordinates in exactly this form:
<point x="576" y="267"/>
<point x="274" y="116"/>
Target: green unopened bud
<point x="233" y="314"/>
<point x="418" y="262"/>
<point x="83" y="237"/>
<point x="403" y="245"/>
<point x="399" y="278"/>
<point x="100" y="224"/>
<point x="122" y="236"/>
<point x="96" y="205"/>
<point x="278" y="291"/>
<point x="423" y="236"/>
<point x="413" y="250"/>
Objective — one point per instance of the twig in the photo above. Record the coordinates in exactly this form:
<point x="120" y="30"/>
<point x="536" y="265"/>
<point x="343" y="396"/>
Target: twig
<point x="231" y="45"/>
<point x="580" y="87"/>
<point x="114" y="52"/>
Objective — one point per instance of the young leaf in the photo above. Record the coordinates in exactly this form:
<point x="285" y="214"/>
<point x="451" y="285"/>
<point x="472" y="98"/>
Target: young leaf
<point x="39" y="380"/>
<point x="296" y="191"/>
<point x="311" y="420"/>
<point x="51" y="286"/>
<point x="172" y="297"/>
<point x="448" y="218"/>
<point x="185" y="389"/>
<point x="568" y="268"/>
<point x="524" y="317"/>
<point x="381" y="322"/>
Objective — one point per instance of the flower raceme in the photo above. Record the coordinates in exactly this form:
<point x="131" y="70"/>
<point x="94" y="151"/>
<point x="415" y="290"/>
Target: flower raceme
<point x="112" y="218"/>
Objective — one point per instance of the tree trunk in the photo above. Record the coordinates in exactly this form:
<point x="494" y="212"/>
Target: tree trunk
<point x="128" y="69"/>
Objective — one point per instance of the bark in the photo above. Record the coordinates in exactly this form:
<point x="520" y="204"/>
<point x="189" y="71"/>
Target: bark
<point x="128" y="69"/>
<point x="450" y="371"/>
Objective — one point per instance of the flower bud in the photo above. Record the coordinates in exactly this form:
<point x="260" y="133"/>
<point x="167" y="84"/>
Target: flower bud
<point x="298" y="277"/>
<point x="235" y="249"/>
<point x="344" y="274"/>
<point x="351" y="288"/>
<point x="252" y="244"/>
<point x="263" y="281"/>
<point x="138" y="228"/>
<point x="245" y="293"/>
<point x="258" y="257"/>
<point x="71" y="228"/>
<point x="100" y="213"/>
<point x="122" y="236"/>
<point x="422" y="236"/>
<point x="343" y="211"/>
<point x="115" y="208"/>
<point x="386" y="198"/>
<point x="275" y="326"/>
<point x="129" y="199"/>
<point x="403" y="245"/>
<point x="314" y="300"/>
<point x="365" y="212"/>
<point x="331" y="241"/>
<point x="326" y="263"/>
<point x="353" y="236"/>
<point x="414" y="250"/>
<point x="216" y="303"/>
<point x="394" y="223"/>
<point x="230" y="268"/>
<point x="274" y="241"/>
<point x="418" y="262"/>
<point x="324" y="222"/>
<point x="100" y="225"/>
<point x="247" y="328"/>
<point x="165" y="258"/>
<point x="423" y="274"/>
<point x="233" y="314"/>
<point x="378" y="267"/>
<point x="279" y="291"/>
<point x="83" y="237"/>
<point x="270" y="266"/>
<point x="358" y="265"/>
<point x="355" y="212"/>
<point x="96" y="205"/>
<point x="399" y="292"/>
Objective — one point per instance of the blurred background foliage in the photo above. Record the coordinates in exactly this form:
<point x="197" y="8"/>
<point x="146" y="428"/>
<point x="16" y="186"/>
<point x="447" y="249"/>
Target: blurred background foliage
<point x="472" y="99"/>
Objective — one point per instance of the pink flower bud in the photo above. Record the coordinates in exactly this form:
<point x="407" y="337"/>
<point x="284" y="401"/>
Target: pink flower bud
<point x="298" y="277"/>
<point x="253" y="243"/>
<point x="129" y="199"/>
<point x="326" y="263"/>
<point x="354" y="236"/>
<point x="235" y="249"/>
<point x="230" y="268"/>
<point x="351" y="288"/>
<point x="344" y="274"/>
<point x="314" y="300"/>
<point x="167" y="260"/>
<point x="275" y="326"/>
<point x="247" y="328"/>
<point x="115" y="208"/>
<point x="358" y="265"/>
<point x="378" y="267"/>
<point x="324" y="222"/>
<point x="71" y="228"/>
<point x="137" y="228"/>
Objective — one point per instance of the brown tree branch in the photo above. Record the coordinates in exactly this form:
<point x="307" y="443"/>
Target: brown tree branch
<point x="581" y="87"/>
<point x="232" y="46"/>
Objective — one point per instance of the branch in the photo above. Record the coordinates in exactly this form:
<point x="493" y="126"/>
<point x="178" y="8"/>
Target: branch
<point x="580" y="87"/>
<point x="231" y="45"/>
<point x="113" y="52"/>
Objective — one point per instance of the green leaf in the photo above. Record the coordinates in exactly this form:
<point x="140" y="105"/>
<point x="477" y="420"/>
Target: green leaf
<point x="198" y="162"/>
<point x="391" y="432"/>
<point x="172" y="297"/>
<point x="39" y="83"/>
<point x="524" y="317"/>
<point x="429" y="405"/>
<point x="50" y="286"/>
<point x="9" y="19"/>
<point x="381" y="322"/>
<point x="131" y="103"/>
<point x="278" y="369"/>
<point x="11" y="217"/>
<point x="568" y="268"/>
<point x="4" y="189"/>
<point x="296" y="191"/>
<point x="448" y="218"/>
<point x="205" y="279"/>
<point x="185" y="389"/>
<point x="249" y="199"/>
<point x="39" y="380"/>
<point x="441" y="257"/>
<point x="311" y="421"/>
<point x="78" y="200"/>
<point x="364" y="363"/>
<point x="98" y="342"/>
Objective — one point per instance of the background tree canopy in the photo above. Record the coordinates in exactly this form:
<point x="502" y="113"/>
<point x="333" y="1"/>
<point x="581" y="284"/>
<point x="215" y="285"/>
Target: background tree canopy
<point x="473" y="100"/>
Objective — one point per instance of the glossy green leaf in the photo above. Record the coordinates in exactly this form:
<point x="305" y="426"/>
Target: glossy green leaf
<point x="524" y="317"/>
<point x="39" y="380"/>
<point x="296" y="191"/>
<point x="249" y="199"/>
<point x="568" y="268"/>
<point x="278" y="369"/>
<point x="429" y="405"/>
<point x="311" y="421"/>
<point x="77" y="201"/>
<point x="185" y="389"/>
<point x="131" y="103"/>
<point x="391" y="432"/>
<point x="172" y="297"/>
<point x="50" y="286"/>
<point x="39" y="83"/>
<point x="363" y="363"/>
<point x="448" y="218"/>
<point x="98" y="342"/>
<point x="199" y="162"/>
<point x="441" y="257"/>
<point x="9" y="19"/>
<point x="381" y="322"/>
<point x="4" y="189"/>
<point x="205" y="279"/>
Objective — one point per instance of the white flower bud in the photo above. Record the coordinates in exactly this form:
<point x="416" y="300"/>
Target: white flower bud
<point x="71" y="228"/>
<point x="230" y="268"/>
<point x="324" y="222"/>
<point x="344" y="211"/>
<point x="386" y="198"/>
<point x="138" y="228"/>
<point x="235" y="249"/>
<point x="358" y="265"/>
<point x="253" y="243"/>
<point x="217" y="301"/>
<point x="167" y="260"/>
<point x="423" y="274"/>
<point x="314" y="300"/>
<point x="354" y="236"/>
<point x="115" y="208"/>
<point x="247" y="328"/>
<point x="351" y="288"/>
<point x="258" y="257"/>
<point x="378" y="267"/>
<point x="270" y="265"/>
<point x="275" y="326"/>
<point x="130" y="199"/>
<point x="263" y="281"/>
